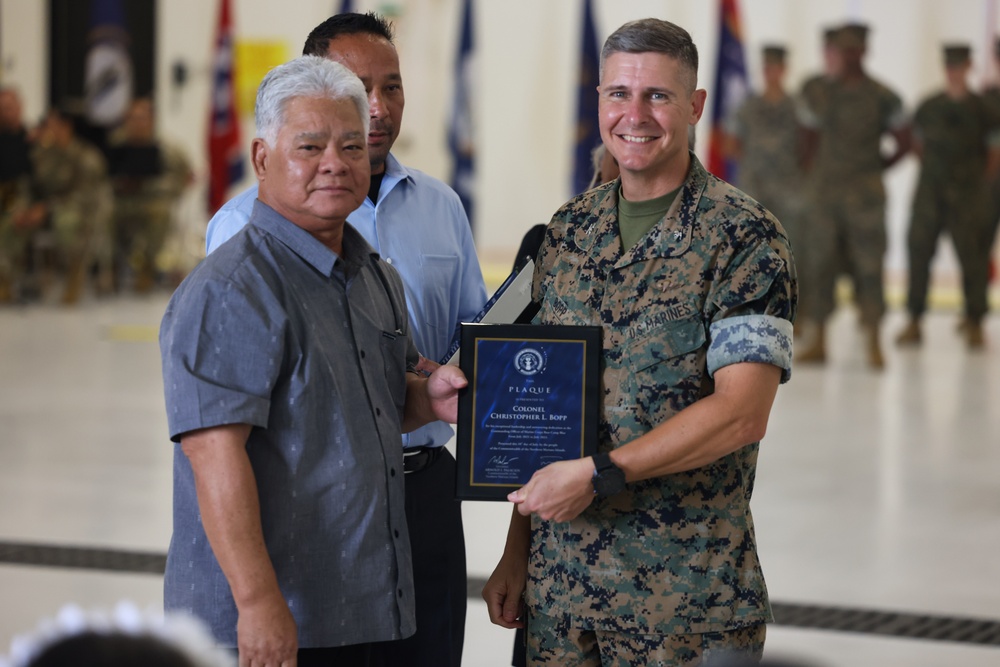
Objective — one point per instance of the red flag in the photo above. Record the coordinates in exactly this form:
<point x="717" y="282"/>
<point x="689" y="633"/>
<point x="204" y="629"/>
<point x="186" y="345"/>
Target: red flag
<point x="225" y="155"/>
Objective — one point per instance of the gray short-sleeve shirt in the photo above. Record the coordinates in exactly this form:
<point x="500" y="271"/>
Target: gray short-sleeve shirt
<point x="274" y="330"/>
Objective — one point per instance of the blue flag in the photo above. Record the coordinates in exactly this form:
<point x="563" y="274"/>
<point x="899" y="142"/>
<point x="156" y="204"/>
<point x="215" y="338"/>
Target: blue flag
<point x="461" y="139"/>
<point x="730" y="87"/>
<point x="108" y="70"/>
<point x="346" y="7"/>
<point x="588" y="133"/>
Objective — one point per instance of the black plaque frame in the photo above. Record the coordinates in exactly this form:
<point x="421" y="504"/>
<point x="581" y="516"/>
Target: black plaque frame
<point x="478" y="447"/>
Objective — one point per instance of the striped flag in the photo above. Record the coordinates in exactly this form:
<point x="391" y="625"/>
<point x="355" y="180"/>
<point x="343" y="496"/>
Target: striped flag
<point x="730" y="86"/>
<point x="225" y="154"/>
<point x="108" y="69"/>
<point x="461" y="138"/>
<point x="588" y="134"/>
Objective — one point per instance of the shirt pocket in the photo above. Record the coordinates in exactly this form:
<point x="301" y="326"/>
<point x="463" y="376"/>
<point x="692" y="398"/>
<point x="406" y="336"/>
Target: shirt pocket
<point x="668" y="360"/>
<point x="556" y="310"/>
<point x="393" y="347"/>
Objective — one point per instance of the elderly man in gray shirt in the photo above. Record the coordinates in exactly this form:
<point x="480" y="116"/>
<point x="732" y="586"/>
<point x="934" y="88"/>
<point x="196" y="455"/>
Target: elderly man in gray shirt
<point x="285" y="363"/>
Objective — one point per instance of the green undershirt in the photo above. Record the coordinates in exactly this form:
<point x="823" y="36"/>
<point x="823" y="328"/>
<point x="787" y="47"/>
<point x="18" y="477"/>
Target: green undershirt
<point x="635" y="218"/>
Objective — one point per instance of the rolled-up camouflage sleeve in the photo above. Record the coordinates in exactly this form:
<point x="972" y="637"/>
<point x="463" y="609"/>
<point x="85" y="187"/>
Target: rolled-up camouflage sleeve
<point x="755" y="304"/>
<point x="762" y="339"/>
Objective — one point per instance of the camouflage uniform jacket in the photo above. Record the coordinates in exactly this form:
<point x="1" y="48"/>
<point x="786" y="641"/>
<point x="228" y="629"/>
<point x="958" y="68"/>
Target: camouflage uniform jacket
<point x="851" y="119"/>
<point x="956" y="136"/>
<point x="710" y="285"/>
<point x="73" y="181"/>
<point x="769" y="134"/>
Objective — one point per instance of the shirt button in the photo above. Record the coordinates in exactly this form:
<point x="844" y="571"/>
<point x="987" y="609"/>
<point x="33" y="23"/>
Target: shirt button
<point x="400" y="592"/>
<point x="392" y="472"/>
<point x="396" y="532"/>
<point x="362" y="354"/>
<point x="388" y="260"/>
<point x="378" y="412"/>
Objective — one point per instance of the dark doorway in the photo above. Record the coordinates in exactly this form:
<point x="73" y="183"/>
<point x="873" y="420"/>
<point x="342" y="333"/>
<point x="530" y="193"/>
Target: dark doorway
<point x="78" y="28"/>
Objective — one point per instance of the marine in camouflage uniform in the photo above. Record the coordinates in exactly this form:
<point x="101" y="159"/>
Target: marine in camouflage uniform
<point x="661" y="568"/>
<point x="71" y="183"/>
<point x="765" y="137"/>
<point x="955" y="132"/>
<point x="813" y="94"/>
<point x="687" y="300"/>
<point x="144" y="203"/>
<point x="849" y="117"/>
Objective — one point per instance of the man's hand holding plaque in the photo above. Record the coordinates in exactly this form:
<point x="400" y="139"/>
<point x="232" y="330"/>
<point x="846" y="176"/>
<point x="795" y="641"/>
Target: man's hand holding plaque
<point x="559" y="491"/>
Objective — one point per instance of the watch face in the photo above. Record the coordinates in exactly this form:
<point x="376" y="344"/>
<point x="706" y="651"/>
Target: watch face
<point x="609" y="481"/>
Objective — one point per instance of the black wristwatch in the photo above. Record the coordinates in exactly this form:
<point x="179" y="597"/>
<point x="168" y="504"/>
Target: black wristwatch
<point x="609" y="479"/>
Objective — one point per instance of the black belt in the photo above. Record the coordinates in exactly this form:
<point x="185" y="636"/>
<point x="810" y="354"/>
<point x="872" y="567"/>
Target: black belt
<point x="416" y="459"/>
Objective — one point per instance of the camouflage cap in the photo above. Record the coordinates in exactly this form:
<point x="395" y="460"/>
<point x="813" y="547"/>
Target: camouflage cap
<point x="956" y="54"/>
<point x="852" y="36"/>
<point x="774" y="53"/>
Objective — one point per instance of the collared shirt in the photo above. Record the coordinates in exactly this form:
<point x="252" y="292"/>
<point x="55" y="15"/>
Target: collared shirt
<point x="712" y="284"/>
<point x="274" y="330"/>
<point x="419" y="227"/>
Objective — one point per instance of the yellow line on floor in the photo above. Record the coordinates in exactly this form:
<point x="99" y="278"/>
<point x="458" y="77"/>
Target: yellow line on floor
<point x="131" y="333"/>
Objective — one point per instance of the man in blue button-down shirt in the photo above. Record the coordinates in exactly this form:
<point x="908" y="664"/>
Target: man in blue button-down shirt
<point x="418" y="226"/>
<point x="285" y="359"/>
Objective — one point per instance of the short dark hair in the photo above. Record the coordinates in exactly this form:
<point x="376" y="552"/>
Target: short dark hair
<point x="92" y="649"/>
<point x="656" y="36"/>
<point x="318" y="41"/>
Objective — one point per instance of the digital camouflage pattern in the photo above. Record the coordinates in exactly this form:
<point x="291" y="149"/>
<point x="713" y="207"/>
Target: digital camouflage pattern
<point x="144" y="209"/>
<point x="953" y="195"/>
<point x="769" y="168"/>
<point x="15" y="196"/>
<point x="851" y="119"/>
<point x="712" y="281"/>
<point x="769" y="162"/>
<point x="558" y="644"/>
<point x="73" y="183"/>
<point x="955" y="136"/>
<point x="847" y="196"/>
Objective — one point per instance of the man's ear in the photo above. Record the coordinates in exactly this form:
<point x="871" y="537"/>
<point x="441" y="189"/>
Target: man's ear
<point x="258" y="156"/>
<point x="698" y="98"/>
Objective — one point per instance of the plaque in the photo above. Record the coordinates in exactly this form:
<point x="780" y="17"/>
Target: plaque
<point x="532" y="399"/>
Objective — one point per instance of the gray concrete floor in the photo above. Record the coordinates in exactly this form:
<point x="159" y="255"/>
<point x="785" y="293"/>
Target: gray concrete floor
<point x="874" y="490"/>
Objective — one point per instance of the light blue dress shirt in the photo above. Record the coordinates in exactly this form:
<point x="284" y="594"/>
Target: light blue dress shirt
<point x="419" y="227"/>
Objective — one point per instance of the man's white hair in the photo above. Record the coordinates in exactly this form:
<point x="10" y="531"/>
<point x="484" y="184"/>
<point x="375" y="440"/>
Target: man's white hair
<point x="307" y="76"/>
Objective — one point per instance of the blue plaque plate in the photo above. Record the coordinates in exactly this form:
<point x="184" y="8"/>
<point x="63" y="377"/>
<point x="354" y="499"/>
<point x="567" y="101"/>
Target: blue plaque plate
<point x="532" y="399"/>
